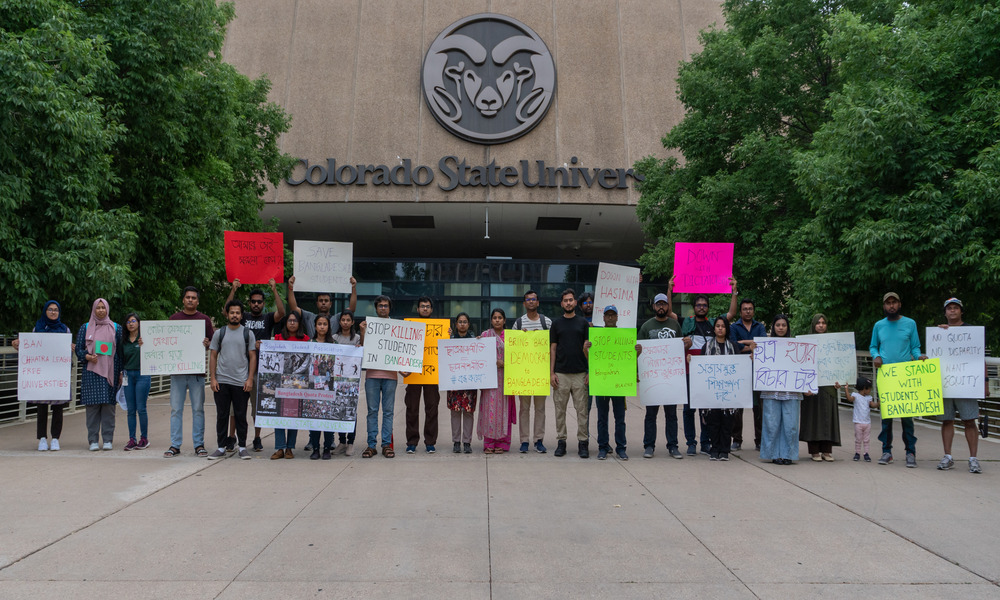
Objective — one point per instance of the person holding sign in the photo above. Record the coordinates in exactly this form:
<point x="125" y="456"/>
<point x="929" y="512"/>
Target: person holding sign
<point x="617" y="405"/>
<point x="496" y="411"/>
<point x="192" y="385"/>
<point x="284" y="439"/>
<point x="719" y="421"/>
<point x="49" y="322"/>
<point x="779" y="441"/>
<point x="531" y="320"/>
<point x="432" y="398"/>
<point x="894" y="340"/>
<point x="968" y="408"/>
<point x="347" y="336"/>
<point x="99" y="343"/>
<point x="820" y="426"/>
<point x="660" y="326"/>
<point x="324" y="303"/>
<point x="136" y="384"/>
<point x="462" y="403"/>
<point x="569" y="373"/>
<point x="747" y="328"/>
<point x="380" y="390"/>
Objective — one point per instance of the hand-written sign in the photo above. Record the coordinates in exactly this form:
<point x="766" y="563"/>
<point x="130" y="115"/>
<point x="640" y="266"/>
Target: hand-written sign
<point x="703" y="268"/>
<point x="172" y="348"/>
<point x="44" y="362"/>
<point x="436" y="329"/>
<point x="394" y="345"/>
<point x="612" y="363"/>
<point x="836" y="357"/>
<point x="662" y="376"/>
<point x="323" y="266"/>
<point x="721" y="381"/>
<point x="254" y="257"/>
<point x="910" y="389"/>
<point x="467" y="364"/>
<point x="962" y="351"/>
<point x="617" y="286"/>
<point x="526" y="363"/>
<point x="784" y="365"/>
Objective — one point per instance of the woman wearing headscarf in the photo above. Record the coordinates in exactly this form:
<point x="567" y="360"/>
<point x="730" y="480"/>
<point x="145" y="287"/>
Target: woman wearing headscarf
<point x="49" y="322"/>
<point x="820" y="427"/>
<point x="99" y="344"/>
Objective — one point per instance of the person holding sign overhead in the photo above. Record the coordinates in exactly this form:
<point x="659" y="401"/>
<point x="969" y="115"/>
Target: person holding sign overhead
<point x="967" y="408"/>
<point x="894" y="340"/>
<point x="324" y="303"/>
<point x="192" y="385"/>
<point x="496" y="411"/>
<point x="99" y="343"/>
<point x="568" y="366"/>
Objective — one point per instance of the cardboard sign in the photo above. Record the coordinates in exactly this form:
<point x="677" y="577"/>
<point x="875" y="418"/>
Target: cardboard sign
<point x="44" y="366"/>
<point x="617" y="286"/>
<point x="255" y="257"/>
<point x="467" y="364"/>
<point x="612" y="362"/>
<point x="836" y="357"/>
<point x="526" y="363"/>
<point x="305" y="385"/>
<point x="662" y="376"/>
<point x="703" y="268"/>
<point x="435" y="329"/>
<point x="172" y="348"/>
<point x="394" y="345"/>
<point x="962" y="351"/>
<point x="721" y="381"/>
<point x="323" y="266"/>
<point x="910" y="389"/>
<point x="784" y="365"/>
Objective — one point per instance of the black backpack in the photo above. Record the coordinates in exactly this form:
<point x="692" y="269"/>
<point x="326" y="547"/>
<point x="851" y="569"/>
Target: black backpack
<point x="246" y="339"/>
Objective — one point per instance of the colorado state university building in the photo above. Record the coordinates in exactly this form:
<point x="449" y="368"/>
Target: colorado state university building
<point x="469" y="150"/>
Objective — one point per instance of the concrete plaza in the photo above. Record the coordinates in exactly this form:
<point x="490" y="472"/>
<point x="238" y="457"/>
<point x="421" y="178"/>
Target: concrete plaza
<point x="81" y="524"/>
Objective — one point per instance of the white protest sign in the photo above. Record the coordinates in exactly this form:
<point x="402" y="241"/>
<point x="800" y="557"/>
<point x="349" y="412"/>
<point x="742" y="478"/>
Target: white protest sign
<point x="661" y="372"/>
<point x="962" y="351"/>
<point x="394" y="345"/>
<point x="836" y="357"/>
<point x="44" y="362"/>
<point x="619" y="287"/>
<point x="784" y="365"/>
<point x="721" y="381"/>
<point x="323" y="266"/>
<point x="172" y="348"/>
<point x="467" y="364"/>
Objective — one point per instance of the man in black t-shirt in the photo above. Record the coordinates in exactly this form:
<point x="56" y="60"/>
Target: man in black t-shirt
<point x="569" y="373"/>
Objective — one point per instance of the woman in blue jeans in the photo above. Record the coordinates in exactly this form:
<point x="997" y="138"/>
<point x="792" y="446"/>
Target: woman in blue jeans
<point x="136" y="385"/>
<point x="779" y="441"/>
<point x="284" y="439"/>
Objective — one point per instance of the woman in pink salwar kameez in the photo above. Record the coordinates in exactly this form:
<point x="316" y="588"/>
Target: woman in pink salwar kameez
<point x="496" y="411"/>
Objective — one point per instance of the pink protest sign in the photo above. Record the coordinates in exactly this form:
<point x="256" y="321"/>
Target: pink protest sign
<point x="703" y="268"/>
<point x="255" y="257"/>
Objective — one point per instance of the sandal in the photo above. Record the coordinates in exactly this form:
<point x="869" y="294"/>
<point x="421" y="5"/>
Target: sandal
<point x="171" y="452"/>
<point x="200" y="451"/>
<point x="489" y="451"/>
<point x="388" y="452"/>
<point x="369" y="452"/>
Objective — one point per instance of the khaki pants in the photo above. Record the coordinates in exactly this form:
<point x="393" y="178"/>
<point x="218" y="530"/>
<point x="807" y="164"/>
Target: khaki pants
<point x="572" y="383"/>
<point x="524" y="415"/>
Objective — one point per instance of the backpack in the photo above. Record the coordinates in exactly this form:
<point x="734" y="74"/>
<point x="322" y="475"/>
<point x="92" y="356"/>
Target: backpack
<point x="519" y="324"/>
<point x="246" y="339"/>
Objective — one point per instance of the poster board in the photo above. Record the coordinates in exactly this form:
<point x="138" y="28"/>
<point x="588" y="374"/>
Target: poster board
<point x="721" y="381"/>
<point x="617" y="286"/>
<point x="526" y="363"/>
<point x="784" y="365"/>
<point x="434" y="330"/>
<point x="172" y="348"/>
<point x="703" y="268"/>
<point x="612" y="365"/>
<point x="394" y="345"/>
<point x="254" y="257"/>
<point x="662" y="372"/>
<point x="467" y="364"/>
<point x="323" y="266"/>
<point x="962" y="351"/>
<point x="44" y="367"/>
<point x="910" y="389"/>
<point x="836" y="357"/>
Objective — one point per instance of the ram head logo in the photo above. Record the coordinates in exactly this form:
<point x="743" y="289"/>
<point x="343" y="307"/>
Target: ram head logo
<point x="488" y="78"/>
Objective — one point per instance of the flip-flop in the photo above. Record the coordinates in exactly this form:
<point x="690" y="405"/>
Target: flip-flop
<point x="171" y="452"/>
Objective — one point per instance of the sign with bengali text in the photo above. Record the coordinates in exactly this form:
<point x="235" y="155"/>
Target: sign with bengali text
<point x="784" y="365"/>
<point x="962" y="351"/>
<point x="394" y="345"/>
<point x="323" y="266"/>
<point x="662" y="376"/>
<point x="721" y="381"/>
<point x="619" y="287"/>
<point x="44" y="367"/>
<point x="910" y="389"/>
<point x="612" y="365"/>
<point x="703" y="268"/>
<point x="836" y="357"/>
<point x="254" y="257"/>
<point x="172" y="348"/>
<point x="435" y="329"/>
<point x="526" y="363"/>
<point x="467" y="364"/>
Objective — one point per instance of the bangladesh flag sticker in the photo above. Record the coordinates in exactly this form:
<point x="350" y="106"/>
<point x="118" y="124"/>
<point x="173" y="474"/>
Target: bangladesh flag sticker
<point x="102" y="348"/>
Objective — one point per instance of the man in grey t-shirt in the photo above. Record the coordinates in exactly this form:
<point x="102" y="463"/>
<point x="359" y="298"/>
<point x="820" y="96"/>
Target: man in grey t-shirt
<point x="231" y="367"/>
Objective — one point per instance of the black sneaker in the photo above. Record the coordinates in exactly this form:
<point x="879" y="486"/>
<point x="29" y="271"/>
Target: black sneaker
<point x="560" y="448"/>
<point x="314" y="455"/>
<point x="584" y="451"/>
<point x="457" y="449"/>
<point x="230" y="445"/>
<point x="467" y="448"/>
<point x="257" y="445"/>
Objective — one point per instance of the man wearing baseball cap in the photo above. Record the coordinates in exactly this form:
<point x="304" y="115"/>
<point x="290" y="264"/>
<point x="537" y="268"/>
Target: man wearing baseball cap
<point x="661" y="326"/>
<point x="967" y="408"/>
<point x="895" y="340"/>
<point x="617" y="405"/>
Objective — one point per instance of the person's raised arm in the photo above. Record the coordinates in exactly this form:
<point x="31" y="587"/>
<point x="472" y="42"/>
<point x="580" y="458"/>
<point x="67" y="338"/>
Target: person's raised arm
<point x="353" y="304"/>
<point x="232" y="294"/>
<point x="279" y="306"/>
<point x="733" y="302"/>
<point x="293" y="306"/>
<point x="670" y="296"/>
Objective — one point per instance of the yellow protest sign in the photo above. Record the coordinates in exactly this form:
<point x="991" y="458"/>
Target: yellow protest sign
<point x="526" y="363"/>
<point x="437" y="329"/>
<point x="910" y="389"/>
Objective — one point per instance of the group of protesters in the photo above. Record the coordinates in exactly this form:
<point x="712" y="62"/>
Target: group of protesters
<point x="781" y="419"/>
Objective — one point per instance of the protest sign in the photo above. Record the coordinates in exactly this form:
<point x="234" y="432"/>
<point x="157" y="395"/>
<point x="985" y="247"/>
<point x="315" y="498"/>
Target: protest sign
<point x="323" y="266"/>
<point x="617" y="286"/>
<point x="394" y="345"/>
<point x="44" y="366"/>
<point x="910" y="389"/>
<point x="612" y="362"/>
<point x="306" y="385"/>
<point x="784" y="365"/>
<point x="703" y="268"/>
<point x="662" y="373"/>
<point x="962" y="351"/>
<point x="435" y="329"/>
<point x="526" y="363"/>
<point x="467" y="364"/>
<point x="254" y="257"/>
<point x="172" y="348"/>
<point x="721" y="381"/>
<point x="836" y="357"/>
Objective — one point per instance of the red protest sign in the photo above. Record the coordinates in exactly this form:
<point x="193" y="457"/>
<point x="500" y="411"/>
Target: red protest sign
<point x="254" y="257"/>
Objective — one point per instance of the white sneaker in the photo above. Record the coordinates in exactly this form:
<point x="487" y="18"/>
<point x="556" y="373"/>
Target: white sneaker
<point x="54" y="445"/>
<point x="349" y="450"/>
<point x="43" y="445"/>
<point x="94" y="447"/>
<point x="107" y="445"/>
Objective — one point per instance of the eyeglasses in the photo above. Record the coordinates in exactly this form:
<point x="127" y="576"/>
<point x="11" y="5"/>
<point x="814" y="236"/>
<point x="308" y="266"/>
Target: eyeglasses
<point x="131" y="322"/>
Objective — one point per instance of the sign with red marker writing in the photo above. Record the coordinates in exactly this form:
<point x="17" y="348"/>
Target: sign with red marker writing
<point x="172" y="348"/>
<point x="784" y="365"/>
<point x="394" y="345"/>
<point x="44" y="363"/>
<point x="467" y="364"/>
<point x="255" y="257"/>
<point x="619" y="287"/>
<point x="702" y="268"/>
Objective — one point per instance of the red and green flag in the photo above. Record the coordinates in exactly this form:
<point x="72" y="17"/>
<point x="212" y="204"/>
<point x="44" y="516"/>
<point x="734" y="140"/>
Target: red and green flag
<point x="102" y="348"/>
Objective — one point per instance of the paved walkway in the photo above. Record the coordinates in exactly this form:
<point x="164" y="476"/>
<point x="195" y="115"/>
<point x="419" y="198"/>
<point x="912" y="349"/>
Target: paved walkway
<point x="118" y="525"/>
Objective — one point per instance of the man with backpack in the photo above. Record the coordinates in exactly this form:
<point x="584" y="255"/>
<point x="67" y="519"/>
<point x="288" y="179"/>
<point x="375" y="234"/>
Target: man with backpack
<point x="231" y="367"/>
<point x="531" y="321"/>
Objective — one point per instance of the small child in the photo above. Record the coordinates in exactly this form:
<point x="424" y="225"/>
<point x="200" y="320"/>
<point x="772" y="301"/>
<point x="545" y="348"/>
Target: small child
<point x="863" y="403"/>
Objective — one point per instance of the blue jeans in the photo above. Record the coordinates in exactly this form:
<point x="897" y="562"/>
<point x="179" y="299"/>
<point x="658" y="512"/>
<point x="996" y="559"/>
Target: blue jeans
<point x="193" y="385"/>
<point x="669" y="427"/>
<point x="780" y="435"/>
<point x="136" y="394"/>
<point x="909" y="437"/>
<point x="284" y="439"/>
<point x="380" y="391"/>
<point x="706" y="442"/>
<point x="618" y="406"/>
